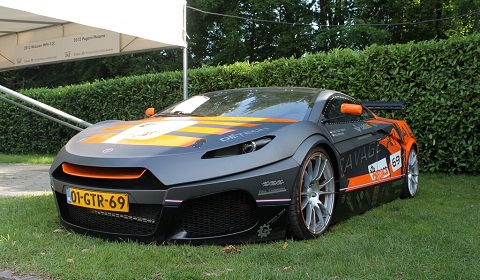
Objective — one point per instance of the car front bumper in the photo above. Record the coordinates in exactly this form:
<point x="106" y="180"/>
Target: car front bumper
<point x="247" y="207"/>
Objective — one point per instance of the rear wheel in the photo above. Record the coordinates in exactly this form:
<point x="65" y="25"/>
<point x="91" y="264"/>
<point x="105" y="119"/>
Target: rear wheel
<point x="313" y="200"/>
<point x="411" y="182"/>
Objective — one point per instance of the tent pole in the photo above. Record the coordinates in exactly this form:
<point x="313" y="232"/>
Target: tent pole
<point x="185" y="74"/>
<point x="185" y="57"/>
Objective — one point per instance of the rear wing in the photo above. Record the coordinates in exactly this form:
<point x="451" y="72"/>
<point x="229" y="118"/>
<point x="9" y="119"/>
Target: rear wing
<point x="384" y="105"/>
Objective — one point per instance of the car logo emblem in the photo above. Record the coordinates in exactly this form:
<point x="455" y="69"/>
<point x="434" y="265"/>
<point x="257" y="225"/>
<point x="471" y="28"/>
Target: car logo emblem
<point x="107" y="150"/>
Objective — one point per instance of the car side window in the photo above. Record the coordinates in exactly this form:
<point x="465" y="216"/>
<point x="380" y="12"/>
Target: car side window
<point x="333" y="114"/>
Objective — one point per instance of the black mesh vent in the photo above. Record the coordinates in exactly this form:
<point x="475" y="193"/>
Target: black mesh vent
<point x="142" y="219"/>
<point x="219" y="214"/>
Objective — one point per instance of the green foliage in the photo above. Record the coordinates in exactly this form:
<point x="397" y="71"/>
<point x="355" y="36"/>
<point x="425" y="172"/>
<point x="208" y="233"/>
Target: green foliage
<point x="420" y="238"/>
<point x="440" y="82"/>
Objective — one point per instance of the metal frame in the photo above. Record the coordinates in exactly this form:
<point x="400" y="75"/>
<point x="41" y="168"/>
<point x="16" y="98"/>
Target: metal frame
<point x="43" y="106"/>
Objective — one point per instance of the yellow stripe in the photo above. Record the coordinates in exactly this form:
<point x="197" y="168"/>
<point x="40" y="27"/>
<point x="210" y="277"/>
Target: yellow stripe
<point x="98" y="138"/>
<point x="226" y="123"/>
<point x="205" y="130"/>
<point x="163" y="140"/>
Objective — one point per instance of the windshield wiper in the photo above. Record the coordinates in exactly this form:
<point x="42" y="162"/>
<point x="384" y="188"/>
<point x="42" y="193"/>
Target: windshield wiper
<point x="176" y="114"/>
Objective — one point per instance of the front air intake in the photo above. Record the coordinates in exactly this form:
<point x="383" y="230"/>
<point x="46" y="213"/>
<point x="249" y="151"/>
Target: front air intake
<point x="219" y="214"/>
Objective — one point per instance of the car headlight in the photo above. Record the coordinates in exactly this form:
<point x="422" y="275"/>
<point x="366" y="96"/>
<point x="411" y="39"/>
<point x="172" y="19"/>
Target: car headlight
<point x="239" y="149"/>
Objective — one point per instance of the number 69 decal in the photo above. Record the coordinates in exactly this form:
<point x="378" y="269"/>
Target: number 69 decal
<point x="396" y="161"/>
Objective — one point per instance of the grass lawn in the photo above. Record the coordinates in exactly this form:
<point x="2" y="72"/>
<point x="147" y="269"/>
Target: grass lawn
<point x="436" y="235"/>
<point x="27" y="159"/>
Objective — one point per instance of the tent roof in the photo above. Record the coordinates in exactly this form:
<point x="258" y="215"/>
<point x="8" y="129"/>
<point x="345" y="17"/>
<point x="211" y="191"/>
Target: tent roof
<point x="15" y="21"/>
<point x="39" y="32"/>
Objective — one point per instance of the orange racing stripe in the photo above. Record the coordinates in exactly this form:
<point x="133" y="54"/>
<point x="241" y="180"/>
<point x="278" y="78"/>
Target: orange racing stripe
<point x="163" y="140"/>
<point x="205" y="130"/>
<point x="361" y="182"/>
<point x="98" y="138"/>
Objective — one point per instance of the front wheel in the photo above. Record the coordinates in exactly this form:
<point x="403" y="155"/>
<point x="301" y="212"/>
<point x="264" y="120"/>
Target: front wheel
<point x="411" y="181"/>
<point x="313" y="200"/>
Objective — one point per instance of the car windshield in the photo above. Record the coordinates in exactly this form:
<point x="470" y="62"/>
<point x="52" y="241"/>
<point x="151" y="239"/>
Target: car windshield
<point x="268" y="103"/>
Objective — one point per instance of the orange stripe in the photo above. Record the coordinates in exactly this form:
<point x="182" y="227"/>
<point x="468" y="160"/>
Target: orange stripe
<point x="163" y="140"/>
<point x="102" y="172"/>
<point x="205" y="130"/>
<point x="361" y="182"/>
<point x="117" y="128"/>
<point x="242" y="119"/>
<point x="98" y="138"/>
<point x="226" y="123"/>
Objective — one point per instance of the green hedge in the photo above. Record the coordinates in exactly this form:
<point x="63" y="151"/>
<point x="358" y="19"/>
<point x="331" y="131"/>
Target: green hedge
<point x="440" y="81"/>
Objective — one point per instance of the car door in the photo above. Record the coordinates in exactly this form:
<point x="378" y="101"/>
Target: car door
<point x="357" y="140"/>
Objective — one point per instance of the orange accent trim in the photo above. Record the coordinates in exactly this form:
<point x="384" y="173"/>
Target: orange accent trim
<point x="226" y="123"/>
<point x="352" y="109"/>
<point x="368" y="184"/>
<point x="163" y="140"/>
<point x="242" y="119"/>
<point x="98" y="138"/>
<point x="102" y="172"/>
<point x="117" y="128"/>
<point x="205" y="130"/>
<point x="150" y="111"/>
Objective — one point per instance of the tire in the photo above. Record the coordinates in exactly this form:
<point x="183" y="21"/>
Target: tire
<point x="410" y="185"/>
<point x="313" y="199"/>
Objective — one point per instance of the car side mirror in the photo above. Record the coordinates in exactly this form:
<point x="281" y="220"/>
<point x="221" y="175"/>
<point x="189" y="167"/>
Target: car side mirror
<point x="351" y="109"/>
<point x="150" y="112"/>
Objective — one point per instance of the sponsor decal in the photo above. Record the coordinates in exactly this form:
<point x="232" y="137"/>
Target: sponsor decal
<point x="273" y="183"/>
<point x="389" y="142"/>
<point x="107" y="150"/>
<point x="272" y="191"/>
<point x="359" y="200"/>
<point x="273" y="187"/>
<point x="234" y="136"/>
<point x="396" y="161"/>
<point x="367" y="196"/>
<point x="265" y="229"/>
<point x="149" y="130"/>
<point x="379" y="170"/>
<point x="359" y="156"/>
<point x="349" y="203"/>
<point x="365" y="136"/>
<point x="361" y="127"/>
<point x="337" y="132"/>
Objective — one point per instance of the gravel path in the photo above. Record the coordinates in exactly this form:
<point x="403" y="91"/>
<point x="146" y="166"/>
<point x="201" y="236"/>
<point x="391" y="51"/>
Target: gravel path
<point x="24" y="179"/>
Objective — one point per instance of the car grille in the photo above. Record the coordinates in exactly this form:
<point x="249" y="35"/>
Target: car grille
<point x="146" y="182"/>
<point x="142" y="219"/>
<point x="219" y="214"/>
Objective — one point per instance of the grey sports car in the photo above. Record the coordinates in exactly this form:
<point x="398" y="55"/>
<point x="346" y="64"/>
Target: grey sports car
<point x="241" y="165"/>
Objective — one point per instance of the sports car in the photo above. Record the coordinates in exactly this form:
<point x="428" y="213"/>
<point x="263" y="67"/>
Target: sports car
<point x="234" y="166"/>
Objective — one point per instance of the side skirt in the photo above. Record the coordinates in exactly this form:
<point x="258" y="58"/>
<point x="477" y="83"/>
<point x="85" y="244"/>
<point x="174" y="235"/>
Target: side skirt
<point x="350" y="203"/>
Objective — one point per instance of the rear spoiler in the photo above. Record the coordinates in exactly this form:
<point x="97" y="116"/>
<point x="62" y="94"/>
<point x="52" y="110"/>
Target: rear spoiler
<point x="384" y="105"/>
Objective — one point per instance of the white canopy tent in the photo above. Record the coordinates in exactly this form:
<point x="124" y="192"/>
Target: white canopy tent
<point x="34" y="32"/>
<point x="136" y="25"/>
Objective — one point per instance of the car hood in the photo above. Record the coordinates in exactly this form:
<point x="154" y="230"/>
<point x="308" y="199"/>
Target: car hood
<point x="169" y="135"/>
<point x="169" y="145"/>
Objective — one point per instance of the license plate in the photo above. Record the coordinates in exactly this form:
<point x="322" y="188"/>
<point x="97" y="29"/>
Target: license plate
<point x="98" y="200"/>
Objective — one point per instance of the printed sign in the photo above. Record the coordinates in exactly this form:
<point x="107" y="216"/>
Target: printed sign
<point x="73" y="47"/>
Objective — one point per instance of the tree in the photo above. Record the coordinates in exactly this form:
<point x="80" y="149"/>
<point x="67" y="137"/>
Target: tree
<point x="224" y="32"/>
<point x="269" y="34"/>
